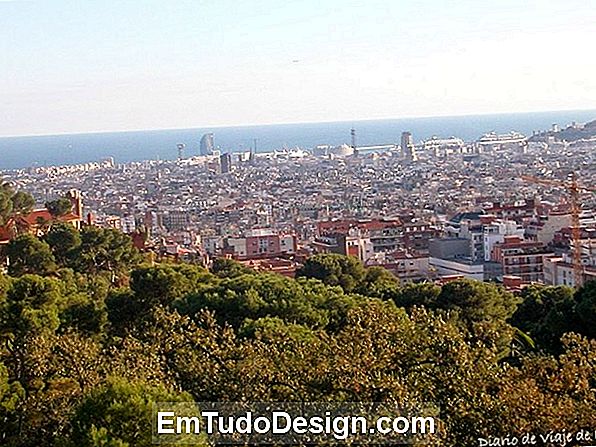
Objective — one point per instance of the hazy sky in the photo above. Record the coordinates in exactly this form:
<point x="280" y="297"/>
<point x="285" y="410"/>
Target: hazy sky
<point x="77" y="66"/>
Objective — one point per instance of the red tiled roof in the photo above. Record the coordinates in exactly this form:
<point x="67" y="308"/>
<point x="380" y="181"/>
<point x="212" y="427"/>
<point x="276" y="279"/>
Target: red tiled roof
<point x="43" y="214"/>
<point x="32" y="220"/>
<point x="380" y="224"/>
<point x="5" y="234"/>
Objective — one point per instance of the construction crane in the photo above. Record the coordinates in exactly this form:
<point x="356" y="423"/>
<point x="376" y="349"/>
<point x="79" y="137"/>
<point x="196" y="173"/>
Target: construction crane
<point x="574" y="190"/>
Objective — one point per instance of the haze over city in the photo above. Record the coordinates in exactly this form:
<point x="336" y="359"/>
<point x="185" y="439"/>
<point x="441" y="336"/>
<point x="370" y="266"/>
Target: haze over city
<point x="122" y="65"/>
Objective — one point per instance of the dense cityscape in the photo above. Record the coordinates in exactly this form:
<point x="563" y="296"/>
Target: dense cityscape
<point x="297" y="223"/>
<point x="433" y="210"/>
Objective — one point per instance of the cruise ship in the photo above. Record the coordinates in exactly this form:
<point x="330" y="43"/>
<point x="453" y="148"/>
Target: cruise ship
<point x="495" y="141"/>
<point x="442" y="147"/>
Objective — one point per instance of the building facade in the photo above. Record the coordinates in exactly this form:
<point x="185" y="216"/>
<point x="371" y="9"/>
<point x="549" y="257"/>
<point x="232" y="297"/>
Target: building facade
<point x="207" y="145"/>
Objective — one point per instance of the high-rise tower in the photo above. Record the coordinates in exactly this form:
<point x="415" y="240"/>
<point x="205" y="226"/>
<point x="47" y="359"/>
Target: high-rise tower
<point x="253" y="151"/>
<point x="207" y="144"/>
<point x="407" y="146"/>
<point x="225" y="162"/>
<point x="353" y="138"/>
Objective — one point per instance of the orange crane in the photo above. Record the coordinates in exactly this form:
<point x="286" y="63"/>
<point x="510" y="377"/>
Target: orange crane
<point x="573" y="189"/>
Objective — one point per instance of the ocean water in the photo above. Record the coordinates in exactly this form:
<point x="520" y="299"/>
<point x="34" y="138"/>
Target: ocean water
<point x="23" y="152"/>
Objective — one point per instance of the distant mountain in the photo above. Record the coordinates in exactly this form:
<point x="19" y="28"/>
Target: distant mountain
<point x="571" y="133"/>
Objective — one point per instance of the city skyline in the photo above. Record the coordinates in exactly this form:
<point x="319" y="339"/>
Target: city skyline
<point x="131" y="66"/>
<point x="367" y="202"/>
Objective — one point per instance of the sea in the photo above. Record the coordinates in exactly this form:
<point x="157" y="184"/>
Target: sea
<point x="64" y="149"/>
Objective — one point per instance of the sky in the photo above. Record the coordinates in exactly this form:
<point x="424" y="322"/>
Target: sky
<point x="84" y="66"/>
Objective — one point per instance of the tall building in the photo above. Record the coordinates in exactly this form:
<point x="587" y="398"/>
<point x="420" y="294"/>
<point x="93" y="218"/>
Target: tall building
<point x="76" y="200"/>
<point x="407" y="146"/>
<point x="175" y="220"/>
<point x="225" y="161"/>
<point x="253" y="152"/>
<point x="207" y="144"/>
<point x="353" y="136"/>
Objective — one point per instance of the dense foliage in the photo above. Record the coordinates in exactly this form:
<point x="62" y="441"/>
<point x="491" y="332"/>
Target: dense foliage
<point x="13" y="203"/>
<point x="90" y="339"/>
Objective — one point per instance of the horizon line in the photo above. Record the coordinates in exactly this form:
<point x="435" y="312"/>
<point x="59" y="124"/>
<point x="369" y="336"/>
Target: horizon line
<point x="289" y="123"/>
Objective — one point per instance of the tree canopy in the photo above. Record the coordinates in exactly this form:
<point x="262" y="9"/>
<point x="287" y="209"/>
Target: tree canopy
<point x="28" y="254"/>
<point x="59" y="207"/>
<point x="13" y="202"/>
<point x="334" y="270"/>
